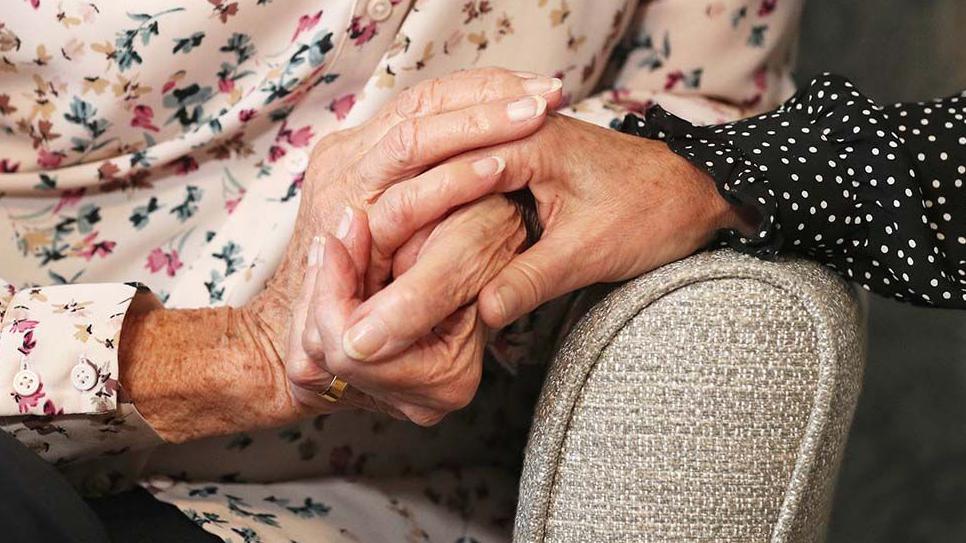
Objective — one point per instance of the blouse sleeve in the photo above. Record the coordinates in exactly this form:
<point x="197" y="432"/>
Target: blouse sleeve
<point x="874" y="192"/>
<point x="59" y="370"/>
<point x="707" y="64"/>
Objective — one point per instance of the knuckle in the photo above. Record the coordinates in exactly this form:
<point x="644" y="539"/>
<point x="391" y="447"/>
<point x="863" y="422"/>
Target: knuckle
<point x="494" y="71"/>
<point x="456" y="397"/>
<point x="422" y="416"/>
<point x="342" y="366"/>
<point x="499" y="83"/>
<point x="407" y="296"/>
<point x="409" y="102"/>
<point x="400" y="207"/>
<point x="401" y="143"/>
<point x="301" y="372"/>
<point x="477" y="123"/>
<point x="418" y="99"/>
<point x="312" y="343"/>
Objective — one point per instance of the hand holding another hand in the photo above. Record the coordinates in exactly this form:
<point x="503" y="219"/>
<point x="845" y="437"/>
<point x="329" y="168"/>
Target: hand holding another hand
<point x="612" y="206"/>
<point x="438" y="272"/>
<point x="396" y="169"/>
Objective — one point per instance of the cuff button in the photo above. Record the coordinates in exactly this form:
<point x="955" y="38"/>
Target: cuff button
<point x="83" y="376"/>
<point x="379" y="10"/>
<point x="26" y="382"/>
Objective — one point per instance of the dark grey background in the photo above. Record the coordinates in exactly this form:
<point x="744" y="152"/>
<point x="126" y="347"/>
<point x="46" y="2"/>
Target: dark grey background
<point x="904" y="475"/>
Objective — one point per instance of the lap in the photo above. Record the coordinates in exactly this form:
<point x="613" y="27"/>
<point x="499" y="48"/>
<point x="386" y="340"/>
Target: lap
<point x="42" y="505"/>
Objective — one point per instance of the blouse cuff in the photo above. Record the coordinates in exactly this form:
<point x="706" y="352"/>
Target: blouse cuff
<point x="783" y="163"/>
<point x="739" y="180"/>
<point x="59" y="347"/>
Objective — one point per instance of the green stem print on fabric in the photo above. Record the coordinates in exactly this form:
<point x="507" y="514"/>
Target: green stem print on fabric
<point x="127" y="55"/>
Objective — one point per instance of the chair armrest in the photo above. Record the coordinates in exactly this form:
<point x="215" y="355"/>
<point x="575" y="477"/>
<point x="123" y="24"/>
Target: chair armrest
<point x="709" y="400"/>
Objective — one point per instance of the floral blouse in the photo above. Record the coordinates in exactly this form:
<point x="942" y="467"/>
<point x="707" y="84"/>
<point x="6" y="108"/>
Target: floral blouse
<point x="163" y="143"/>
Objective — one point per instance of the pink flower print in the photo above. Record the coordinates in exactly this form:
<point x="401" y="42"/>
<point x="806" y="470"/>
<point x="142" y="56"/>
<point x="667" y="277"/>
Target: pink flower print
<point x="111" y="386"/>
<point x="49" y="159"/>
<point x="232" y="203"/>
<point x="361" y="34"/>
<point x="767" y="7"/>
<point x="28" y="343"/>
<point x="620" y="97"/>
<point x="20" y="326"/>
<point x="301" y="137"/>
<point x="226" y="85"/>
<point x="275" y="152"/>
<point x="51" y="410"/>
<point x="672" y="79"/>
<point x="144" y="118"/>
<point x="761" y="79"/>
<point x="25" y="403"/>
<point x="101" y="248"/>
<point x="69" y="198"/>
<point x="246" y="115"/>
<point x="7" y="166"/>
<point x="158" y="260"/>
<point x="35" y="3"/>
<point x="306" y="23"/>
<point x="342" y="106"/>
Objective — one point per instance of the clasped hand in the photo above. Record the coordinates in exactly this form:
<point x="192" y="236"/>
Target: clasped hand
<point x="427" y="254"/>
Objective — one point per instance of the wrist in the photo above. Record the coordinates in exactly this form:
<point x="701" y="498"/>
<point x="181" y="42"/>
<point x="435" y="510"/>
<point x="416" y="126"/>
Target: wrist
<point x="719" y="213"/>
<point x="195" y="373"/>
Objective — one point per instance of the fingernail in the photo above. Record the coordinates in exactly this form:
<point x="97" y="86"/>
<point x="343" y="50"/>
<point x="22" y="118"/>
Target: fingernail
<point x="542" y="85"/>
<point x="344" y="225"/>
<point x="364" y="339"/>
<point x="526" y="108"/>
<point x="504" y="300"/>
<point x="485" y="167"/>
<point x="525" y="75"/>
<point x="315" y="251"/>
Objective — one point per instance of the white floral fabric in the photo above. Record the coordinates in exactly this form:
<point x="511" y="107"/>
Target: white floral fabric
<point x="163" y="143"/>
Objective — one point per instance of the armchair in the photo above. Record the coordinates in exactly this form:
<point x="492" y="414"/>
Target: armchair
<point x="709" y="400"/>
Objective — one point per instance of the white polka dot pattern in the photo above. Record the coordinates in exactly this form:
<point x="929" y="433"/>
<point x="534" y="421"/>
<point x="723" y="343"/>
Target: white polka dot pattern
<point x="876" y="193"/>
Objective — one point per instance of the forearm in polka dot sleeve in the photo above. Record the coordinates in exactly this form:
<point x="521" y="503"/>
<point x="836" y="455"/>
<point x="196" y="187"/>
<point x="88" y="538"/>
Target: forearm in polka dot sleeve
<point x="876" y="193"/>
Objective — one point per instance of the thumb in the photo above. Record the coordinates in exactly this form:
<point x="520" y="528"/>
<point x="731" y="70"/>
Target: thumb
<point x="541" y="273"/>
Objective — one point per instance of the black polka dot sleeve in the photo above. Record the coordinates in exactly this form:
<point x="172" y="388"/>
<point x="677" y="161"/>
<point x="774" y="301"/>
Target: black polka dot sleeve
<point x="874" y="192"/>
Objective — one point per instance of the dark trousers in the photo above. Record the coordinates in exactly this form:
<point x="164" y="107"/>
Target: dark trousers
<point x="40" y="505"/>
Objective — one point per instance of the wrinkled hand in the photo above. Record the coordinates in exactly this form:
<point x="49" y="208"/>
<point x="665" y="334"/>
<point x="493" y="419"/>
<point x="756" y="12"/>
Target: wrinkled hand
<point x="612" y="207"/>
<point x="394" y="156"/>
<point x="394" y="159"/>
<point x="439" y="271"/>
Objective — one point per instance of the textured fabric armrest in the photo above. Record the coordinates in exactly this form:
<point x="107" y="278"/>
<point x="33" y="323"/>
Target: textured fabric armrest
<point x="707" y="401"/>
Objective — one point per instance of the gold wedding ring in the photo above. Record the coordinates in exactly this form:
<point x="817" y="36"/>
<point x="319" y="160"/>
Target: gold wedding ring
<point x="335" y="390"/>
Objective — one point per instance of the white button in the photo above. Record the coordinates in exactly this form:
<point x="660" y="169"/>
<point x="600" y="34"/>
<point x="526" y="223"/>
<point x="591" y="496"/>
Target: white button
<point x="26" y="382"/>
<point x="83" y="376"/>
<point x="296" y="161"/>
<point x="380" y="10"/>
<point x="161" y="482"/>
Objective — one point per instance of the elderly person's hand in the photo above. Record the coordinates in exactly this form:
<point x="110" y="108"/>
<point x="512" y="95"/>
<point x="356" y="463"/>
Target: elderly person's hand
<point x="252" y="351"/>
<point x="617" y="207"/>
<point x="612" y="206"/>
<point x="440" y="371"/>
<point x="422" y="127"/>
<point x="396" y="156"/>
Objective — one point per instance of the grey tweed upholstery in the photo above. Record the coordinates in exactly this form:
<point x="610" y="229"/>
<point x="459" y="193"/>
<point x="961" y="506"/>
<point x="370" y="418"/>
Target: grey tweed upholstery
<point x="707" y="401"/>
